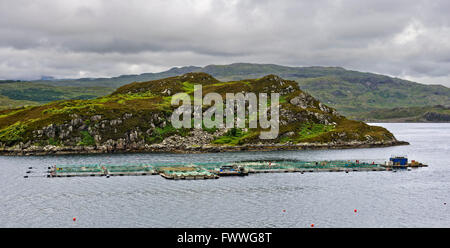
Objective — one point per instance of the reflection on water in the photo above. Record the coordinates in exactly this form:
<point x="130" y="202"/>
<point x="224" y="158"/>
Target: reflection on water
<point x="327" y="199"/>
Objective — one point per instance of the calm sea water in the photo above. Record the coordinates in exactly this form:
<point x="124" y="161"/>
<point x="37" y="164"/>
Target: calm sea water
<point x="417" y="198"/>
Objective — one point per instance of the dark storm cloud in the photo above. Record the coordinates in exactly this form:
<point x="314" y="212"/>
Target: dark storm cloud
<point x="409" y="39"/>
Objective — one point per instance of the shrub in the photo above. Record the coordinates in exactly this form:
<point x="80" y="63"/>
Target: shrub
<point x="86" y="139"/>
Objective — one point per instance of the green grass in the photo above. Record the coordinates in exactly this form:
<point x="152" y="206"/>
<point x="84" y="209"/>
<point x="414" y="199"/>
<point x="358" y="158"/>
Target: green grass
<point x="310" y="130"/>
<point x="56" y="142"/>
<point x="86" y="139"/>
<point x="188" y="87"/>
<point x="231" y="137"/>
<point x="13" y="133"/>
<point x="236" y="136"/>
<point x="17" y="94"/>
<point x="159" y="134"/>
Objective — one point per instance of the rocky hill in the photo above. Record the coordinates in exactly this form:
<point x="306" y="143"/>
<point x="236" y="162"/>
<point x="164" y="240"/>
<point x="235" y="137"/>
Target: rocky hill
<point x="136" y="118"/>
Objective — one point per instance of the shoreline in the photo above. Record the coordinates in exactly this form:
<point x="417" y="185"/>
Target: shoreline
<point x="157" y="148"/>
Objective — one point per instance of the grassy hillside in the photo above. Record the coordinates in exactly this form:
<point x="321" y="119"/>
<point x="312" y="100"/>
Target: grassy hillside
<point x="436" y="113"/>
<point x="137" y="115"/>
<point x="17" y="94"/>
<point x="353" y="96"/>
<point x="352" y="93"/>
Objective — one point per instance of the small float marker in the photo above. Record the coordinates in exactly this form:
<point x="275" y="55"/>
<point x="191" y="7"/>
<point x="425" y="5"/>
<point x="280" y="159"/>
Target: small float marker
<point x="284" y="210"/>
<point x="312" y="225"/>
<point x="355" y="210"/>
<point x="74" y="219"/>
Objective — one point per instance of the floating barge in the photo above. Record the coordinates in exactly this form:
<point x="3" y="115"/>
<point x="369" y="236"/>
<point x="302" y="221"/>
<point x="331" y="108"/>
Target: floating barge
<point x="214" y="170"/>
<point x="401" y="162"/>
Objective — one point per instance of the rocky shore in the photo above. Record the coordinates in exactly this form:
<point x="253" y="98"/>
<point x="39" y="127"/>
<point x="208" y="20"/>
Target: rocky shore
<point x="71" y="150"/>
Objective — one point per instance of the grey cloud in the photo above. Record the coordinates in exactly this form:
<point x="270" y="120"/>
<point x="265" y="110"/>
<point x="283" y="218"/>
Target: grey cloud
<point x="107" y="38"/>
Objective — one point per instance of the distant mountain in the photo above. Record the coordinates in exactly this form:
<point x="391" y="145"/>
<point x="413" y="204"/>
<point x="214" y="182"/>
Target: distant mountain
<point x="354" y="94"/>
<point x="236" y="71"/>
<point x="47" y="78"/>
<point x="116" y="82"/>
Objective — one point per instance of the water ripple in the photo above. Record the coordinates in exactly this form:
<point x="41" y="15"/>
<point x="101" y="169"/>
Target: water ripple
<point x="383" y="199"/>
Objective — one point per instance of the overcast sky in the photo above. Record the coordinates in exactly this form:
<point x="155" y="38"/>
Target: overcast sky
<point x="94" y="38"/>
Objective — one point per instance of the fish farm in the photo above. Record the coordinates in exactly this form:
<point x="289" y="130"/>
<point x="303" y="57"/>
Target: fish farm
<point x="215" y="170"/>
<point x="100" y="170"/>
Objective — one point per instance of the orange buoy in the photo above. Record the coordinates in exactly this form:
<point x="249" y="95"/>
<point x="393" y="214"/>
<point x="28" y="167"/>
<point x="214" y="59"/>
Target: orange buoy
<point x="312" y="225"/>
<point x="74" y="219"/>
